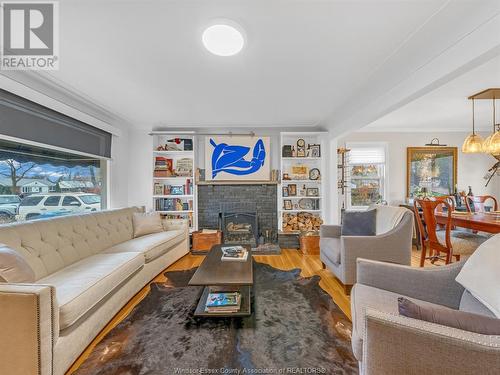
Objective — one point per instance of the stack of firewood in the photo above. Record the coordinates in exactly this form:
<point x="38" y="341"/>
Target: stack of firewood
<point x="303" y="221"/>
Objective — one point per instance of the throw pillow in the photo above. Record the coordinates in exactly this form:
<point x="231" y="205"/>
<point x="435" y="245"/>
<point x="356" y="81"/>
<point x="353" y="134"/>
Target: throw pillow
<point x="480" y="274"/>
<point x="13" y="267"/>
<point x="359" y="223"/>
<point x="146" y="223"/>
<point x="463" y="320"/>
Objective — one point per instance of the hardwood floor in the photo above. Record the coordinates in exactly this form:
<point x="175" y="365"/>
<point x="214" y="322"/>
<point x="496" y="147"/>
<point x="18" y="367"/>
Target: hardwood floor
<point x="289" y="259"/>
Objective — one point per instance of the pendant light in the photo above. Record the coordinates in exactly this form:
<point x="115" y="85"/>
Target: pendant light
<point x="491" y="144"/>
<point x="473" y="143"/>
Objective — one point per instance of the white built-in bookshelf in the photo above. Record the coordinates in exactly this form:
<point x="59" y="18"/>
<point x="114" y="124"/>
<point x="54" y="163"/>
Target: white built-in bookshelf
<point x="174" y="188"/>
<point x="301" y="189"/>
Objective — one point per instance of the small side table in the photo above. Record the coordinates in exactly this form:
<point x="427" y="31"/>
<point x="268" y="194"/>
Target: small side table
<point x="203" y="242"/>
<point x="309" y="244"/>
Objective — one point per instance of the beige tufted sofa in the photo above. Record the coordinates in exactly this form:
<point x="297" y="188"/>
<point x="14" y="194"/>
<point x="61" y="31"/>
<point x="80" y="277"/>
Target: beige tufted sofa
<point x="86" y="268"/>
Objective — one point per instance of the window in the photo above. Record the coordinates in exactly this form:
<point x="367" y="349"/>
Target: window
<point x="31" y="201"/>
<point x="40" y="179"/>
<point x="52" y="200"/>
<point x="366" y="174"/>
<point x="71" y="201"/>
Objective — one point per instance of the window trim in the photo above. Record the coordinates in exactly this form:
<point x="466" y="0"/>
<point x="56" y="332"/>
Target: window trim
<point x="385" y="178"/>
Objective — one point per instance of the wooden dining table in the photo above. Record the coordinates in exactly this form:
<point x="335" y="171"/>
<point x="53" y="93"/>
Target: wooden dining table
<point x="483" y="222"/>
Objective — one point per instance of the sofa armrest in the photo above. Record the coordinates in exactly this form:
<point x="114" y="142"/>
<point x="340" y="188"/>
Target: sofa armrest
<point x="176" y="224"/>
<point x="398" y="345"/>
<point x="330" y="231"/>
<point x="29" y="328"/>
<point x="433" y="284"/>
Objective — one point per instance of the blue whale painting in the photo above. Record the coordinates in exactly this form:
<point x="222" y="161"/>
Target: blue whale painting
<point x="231" y="159"/>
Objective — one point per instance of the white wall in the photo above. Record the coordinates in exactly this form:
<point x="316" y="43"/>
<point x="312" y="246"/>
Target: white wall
<point x="471" y="167"/>
<point x="140" y="169"/>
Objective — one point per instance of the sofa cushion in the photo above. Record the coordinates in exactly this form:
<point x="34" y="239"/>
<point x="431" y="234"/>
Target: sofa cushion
<point x="363" y="297"/>
<point x="359" y="223"/>
<point x="480" y="274"/>
<point x="330" y="248"/>
<point x="151" y="245"/>
<point x="146" y="223"/>
<point x="82" y="285"/>
<point x="13" y="267"/>
<point x="442" y="315"/>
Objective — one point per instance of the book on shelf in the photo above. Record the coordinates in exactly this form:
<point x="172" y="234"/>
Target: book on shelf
<point x="167" y="189"/>
<point x="223" y="302"/>
<point x="234" y="254"/>
<point x="173" y="204"/>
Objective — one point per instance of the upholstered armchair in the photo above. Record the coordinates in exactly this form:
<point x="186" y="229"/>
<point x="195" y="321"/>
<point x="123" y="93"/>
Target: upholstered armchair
<point x="392" y="243"/>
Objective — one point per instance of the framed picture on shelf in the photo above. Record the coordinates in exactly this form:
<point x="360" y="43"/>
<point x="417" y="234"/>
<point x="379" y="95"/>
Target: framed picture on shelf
<point x="285" y="191"/>
<point x="292" y="190"/>
<point x="314" y="151"/>
<point x="431" y="171"/>
<point x="287" y="204"/>
<point x="299" y="172"/>
<point x="312" y="192"/>
<point x="177" y="190"/>
<point x="287" y="151"/>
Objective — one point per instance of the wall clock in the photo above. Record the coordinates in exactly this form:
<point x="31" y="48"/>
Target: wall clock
<point x="314" y="174"/>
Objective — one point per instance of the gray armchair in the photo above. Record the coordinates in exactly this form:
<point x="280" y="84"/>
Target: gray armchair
<point x="392" y="243"/>
<point x="386" y="343"/>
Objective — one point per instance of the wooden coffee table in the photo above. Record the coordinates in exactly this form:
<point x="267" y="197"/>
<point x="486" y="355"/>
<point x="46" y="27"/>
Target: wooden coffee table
<point x="218" y="276"/>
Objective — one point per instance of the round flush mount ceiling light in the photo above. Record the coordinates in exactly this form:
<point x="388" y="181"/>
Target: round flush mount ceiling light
<point x="223" y="39"/>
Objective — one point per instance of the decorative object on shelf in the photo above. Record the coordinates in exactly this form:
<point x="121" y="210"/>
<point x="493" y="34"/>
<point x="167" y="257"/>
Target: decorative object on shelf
<point x="287" y="151"/>
<point x="312" y="192"/>
<point x="437" y="144"/>
<point x="431" y="168"/>
<point x="301" y="148"/>
<point x="292" y="190"/>
<point x="163" y="167"/>
<point x="294" y="153"/>
<point x="286" y="176"/>
<point x="314" y="150"/>
<point x="307" y="204"/>
<point x="287" y="204"/>
<point x="285" y="191"/>
<point x="275" y="173"/>
<point x="299" y="172"/>
<point x="314" y="174"/>
<point x="237" y="158"/>
<point x="303" y="191"/>
<point x="184" y="167"/>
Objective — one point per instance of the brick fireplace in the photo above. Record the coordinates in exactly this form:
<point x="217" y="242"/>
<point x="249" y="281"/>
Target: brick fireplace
<point x="244" y="212"/>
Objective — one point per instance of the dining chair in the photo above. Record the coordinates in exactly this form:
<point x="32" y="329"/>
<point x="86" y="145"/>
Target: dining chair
<point x="476" y="203"/>
<point x="448" y="241"/>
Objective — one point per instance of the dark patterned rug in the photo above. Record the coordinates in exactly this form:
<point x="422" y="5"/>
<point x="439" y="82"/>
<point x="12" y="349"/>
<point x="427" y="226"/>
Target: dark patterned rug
<point x="295" y="326"/>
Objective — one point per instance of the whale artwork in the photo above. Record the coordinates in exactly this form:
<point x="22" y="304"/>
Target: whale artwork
<point x="232" y="158"/>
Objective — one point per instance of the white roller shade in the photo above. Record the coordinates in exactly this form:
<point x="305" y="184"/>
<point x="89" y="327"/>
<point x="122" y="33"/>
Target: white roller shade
<point x="367" y="155"/>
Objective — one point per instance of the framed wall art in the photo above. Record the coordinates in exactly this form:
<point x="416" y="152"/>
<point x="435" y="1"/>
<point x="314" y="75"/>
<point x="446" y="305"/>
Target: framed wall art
<point x="430" y="171"/>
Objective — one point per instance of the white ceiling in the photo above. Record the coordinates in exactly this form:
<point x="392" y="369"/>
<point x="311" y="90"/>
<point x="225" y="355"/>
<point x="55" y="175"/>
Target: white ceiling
<point x="144" y="62"/>
<point x="447" y="108"/>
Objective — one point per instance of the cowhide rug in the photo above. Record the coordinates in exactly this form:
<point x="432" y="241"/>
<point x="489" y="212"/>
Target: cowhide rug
<point x="295" y="326"/>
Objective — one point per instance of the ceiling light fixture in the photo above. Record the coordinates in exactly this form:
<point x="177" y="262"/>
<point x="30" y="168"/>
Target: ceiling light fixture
<point x="223" y="39"/>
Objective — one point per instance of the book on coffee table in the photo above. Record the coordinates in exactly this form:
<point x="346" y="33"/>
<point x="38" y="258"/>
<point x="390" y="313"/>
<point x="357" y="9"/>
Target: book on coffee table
<point x="223" y="302"/>
<point x="234" y="254"/>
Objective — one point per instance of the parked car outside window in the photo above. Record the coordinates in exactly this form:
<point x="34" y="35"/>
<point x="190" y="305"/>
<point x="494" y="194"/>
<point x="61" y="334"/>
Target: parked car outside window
<point x="41" y="206"/>
<point x="8" y="207"/>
